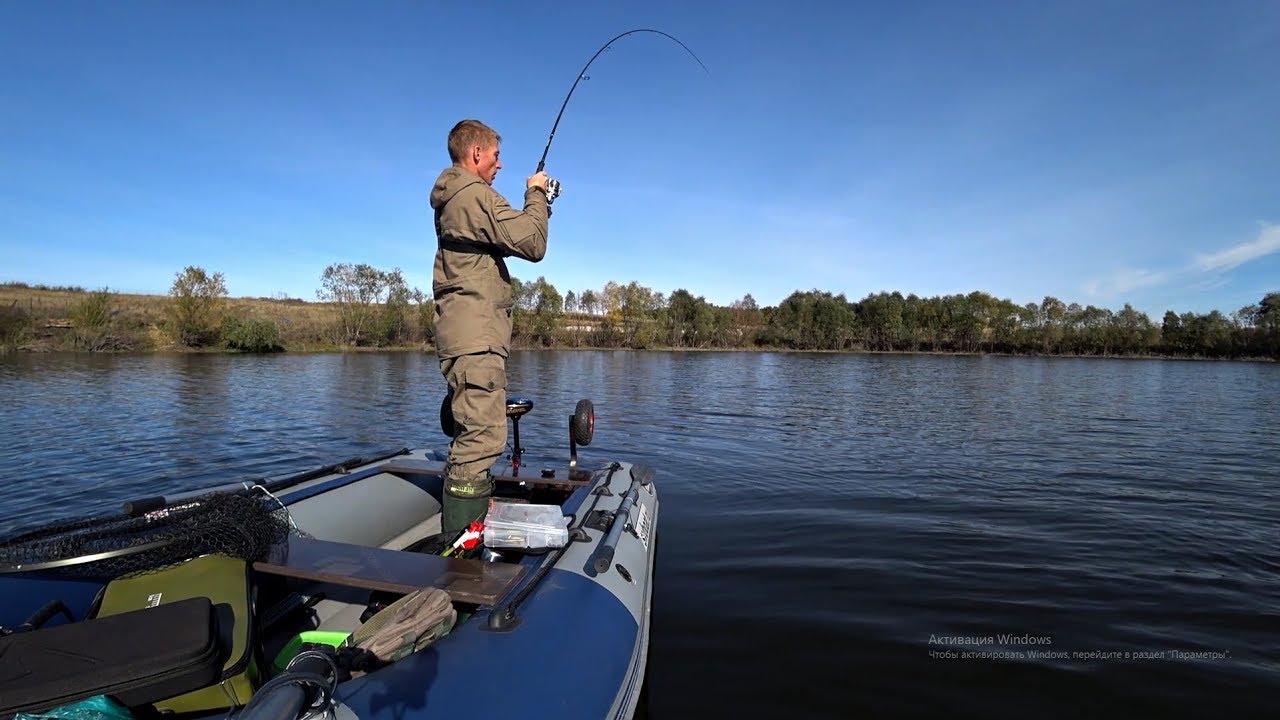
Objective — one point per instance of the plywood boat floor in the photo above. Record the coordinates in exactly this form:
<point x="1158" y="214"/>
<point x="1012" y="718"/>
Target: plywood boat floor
<point x="468" y="581"/>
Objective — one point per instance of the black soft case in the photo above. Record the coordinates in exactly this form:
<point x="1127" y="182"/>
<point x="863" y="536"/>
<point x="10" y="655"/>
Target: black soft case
<point x="136" y="658"/>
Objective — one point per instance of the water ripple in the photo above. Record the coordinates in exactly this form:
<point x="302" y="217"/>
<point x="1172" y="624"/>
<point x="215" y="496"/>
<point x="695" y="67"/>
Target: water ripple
<point x="823" y="515"/>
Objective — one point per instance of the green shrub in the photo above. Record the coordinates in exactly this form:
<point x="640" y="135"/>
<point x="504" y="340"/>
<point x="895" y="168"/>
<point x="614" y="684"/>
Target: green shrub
<point x="94" y="311"/>
<point x="198" y="301"/>
<point x="250" y="335"/>
<point x="426" y="317"/>
<point x="15" y="323"/>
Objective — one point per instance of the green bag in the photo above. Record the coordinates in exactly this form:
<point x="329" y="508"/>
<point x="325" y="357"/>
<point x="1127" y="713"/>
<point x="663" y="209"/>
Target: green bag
<point x="225" y="581"/>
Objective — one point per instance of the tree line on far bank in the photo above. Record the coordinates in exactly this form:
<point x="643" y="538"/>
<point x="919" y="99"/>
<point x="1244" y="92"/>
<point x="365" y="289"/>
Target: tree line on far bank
<point x="360" y="306"/>
<point x="633" y="316"/>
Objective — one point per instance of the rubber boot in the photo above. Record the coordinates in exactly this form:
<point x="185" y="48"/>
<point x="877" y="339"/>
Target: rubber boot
<point x="463" y="504"/>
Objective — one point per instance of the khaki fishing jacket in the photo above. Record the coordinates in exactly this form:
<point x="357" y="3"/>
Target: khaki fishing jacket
<point x="475" y="229"/>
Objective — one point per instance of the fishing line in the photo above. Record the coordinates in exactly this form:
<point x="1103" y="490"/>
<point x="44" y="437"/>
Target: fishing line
<point x="582" y="75"/>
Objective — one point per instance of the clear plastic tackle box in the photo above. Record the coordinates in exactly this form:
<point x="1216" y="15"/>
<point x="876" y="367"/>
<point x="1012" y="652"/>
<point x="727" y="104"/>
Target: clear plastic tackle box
<point x="523" y="525"/>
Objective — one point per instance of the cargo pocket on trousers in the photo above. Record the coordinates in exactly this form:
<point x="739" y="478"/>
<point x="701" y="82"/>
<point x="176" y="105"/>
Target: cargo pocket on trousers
<point x="484" y="395"/>
<point x="485" y="377"/>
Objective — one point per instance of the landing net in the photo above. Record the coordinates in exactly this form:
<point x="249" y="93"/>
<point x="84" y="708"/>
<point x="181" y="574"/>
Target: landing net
<point x="243" y="526"/>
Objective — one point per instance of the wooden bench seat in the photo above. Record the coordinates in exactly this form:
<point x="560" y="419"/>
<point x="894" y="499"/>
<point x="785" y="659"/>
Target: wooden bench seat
<point x="467" y="581"/>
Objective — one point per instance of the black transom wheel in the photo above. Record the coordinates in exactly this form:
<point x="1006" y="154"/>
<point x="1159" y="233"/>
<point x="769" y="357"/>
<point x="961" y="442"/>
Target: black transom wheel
<point x="584" y="422"/>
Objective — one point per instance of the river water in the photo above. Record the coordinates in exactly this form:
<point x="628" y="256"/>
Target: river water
<point x="841" y="535"/>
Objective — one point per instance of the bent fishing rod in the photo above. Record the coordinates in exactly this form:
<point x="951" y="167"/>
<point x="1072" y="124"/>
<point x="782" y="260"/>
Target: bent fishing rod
<point x="582" y="75"/>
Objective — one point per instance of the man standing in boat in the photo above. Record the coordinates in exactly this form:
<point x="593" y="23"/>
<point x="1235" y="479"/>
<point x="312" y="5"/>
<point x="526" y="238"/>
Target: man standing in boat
<point x="475" y="229"/>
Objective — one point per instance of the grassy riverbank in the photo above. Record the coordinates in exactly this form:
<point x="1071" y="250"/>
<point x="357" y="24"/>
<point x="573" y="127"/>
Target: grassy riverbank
<point x="40" y="319"/>
<point x="199" y="317"/>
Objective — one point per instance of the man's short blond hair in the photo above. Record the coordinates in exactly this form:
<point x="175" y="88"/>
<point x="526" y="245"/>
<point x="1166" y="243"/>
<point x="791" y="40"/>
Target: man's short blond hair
<point x="467" y="134"/>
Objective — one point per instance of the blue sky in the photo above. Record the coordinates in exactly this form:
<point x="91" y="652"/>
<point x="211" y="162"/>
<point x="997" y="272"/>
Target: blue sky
<point x="1099" y="152"/>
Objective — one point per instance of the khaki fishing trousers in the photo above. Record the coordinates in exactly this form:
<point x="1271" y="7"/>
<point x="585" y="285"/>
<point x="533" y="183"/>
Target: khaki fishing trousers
<point x="478" y="385"/>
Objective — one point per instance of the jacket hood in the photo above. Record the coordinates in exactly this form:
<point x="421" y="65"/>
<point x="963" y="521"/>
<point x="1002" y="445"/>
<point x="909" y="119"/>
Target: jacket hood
<point x="451" y="181"/>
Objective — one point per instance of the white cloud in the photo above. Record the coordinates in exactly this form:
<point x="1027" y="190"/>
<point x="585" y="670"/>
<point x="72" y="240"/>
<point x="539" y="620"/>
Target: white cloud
<point x="1123" y="281"/>
<point x="1205" y="272"/>
<point x="1267" y="242"/>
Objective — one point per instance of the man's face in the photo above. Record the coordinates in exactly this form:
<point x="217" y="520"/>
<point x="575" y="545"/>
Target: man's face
<point x="487" y="162"/>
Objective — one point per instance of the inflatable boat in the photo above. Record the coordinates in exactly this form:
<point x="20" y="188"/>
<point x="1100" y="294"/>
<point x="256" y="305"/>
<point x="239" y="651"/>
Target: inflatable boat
<point x="332" y="593"/>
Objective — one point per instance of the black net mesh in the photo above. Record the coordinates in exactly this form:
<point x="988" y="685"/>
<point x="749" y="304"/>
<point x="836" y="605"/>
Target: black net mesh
<point x="244" y="526"/>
